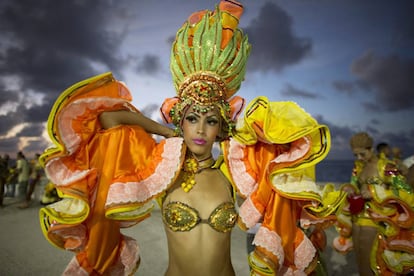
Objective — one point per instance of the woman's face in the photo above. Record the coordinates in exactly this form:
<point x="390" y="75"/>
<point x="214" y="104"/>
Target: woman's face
<point x="363" y="154"/>
<point x="200" y="131"/>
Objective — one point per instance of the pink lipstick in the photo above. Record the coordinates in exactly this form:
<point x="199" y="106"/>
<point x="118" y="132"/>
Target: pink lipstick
<point x="199" y="141"/>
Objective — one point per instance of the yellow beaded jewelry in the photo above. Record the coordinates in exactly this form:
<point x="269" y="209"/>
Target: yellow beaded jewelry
<point x="191" y="167"/>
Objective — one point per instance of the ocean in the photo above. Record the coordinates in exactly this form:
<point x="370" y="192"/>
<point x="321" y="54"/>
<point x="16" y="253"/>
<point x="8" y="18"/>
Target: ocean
<point x="338" y="171"/>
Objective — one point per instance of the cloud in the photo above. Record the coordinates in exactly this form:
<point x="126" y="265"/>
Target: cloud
<point x="9" y="146"/>
<point x="390" y="79"/>
<point x="340" y="136"/>
<point x="149" y="64"/>
<point x="291" y="91"/>
<point x="403" y="38"/>
<point x="33" y="146"/>
<point x="47" y="46"/>
<point x="275" y="44"/>
<point x="7" y="96"/>
<point x="8" y="121"/>
<point x="31" y="130"/>
<point x="55" y="43"/>
<point x="347" y="87"/>
<point x="387" y="79"/>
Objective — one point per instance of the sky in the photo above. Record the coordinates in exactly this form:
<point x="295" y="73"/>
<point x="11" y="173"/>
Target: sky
<point x="348" y="63"/>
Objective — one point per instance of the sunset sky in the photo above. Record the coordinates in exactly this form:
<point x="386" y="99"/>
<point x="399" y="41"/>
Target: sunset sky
<point x="348" y="63"/>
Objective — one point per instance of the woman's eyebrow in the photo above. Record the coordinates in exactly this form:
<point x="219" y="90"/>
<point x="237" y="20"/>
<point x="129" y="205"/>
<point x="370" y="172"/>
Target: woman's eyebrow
<point x="194" y="114"/>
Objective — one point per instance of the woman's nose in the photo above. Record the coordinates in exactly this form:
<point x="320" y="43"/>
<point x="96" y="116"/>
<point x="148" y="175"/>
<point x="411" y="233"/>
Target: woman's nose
<point x="200" y="128"/>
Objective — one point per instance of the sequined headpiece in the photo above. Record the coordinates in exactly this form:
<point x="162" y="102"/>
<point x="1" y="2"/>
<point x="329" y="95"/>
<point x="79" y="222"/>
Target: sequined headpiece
<point x="208" y="64"/>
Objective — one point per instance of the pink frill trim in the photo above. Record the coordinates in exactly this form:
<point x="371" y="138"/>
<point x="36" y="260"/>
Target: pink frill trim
<point x="126" y="264"/>
<point x="297" y="150"/>
<point x="304" y="254"/>
<point x="60" y="175"/>
<point x="75" y="233"/>
<point x="73" y="268"/>
<point x="249" y="213"/>
<point x="307" y="221"/>
<point x="272" y="242"/>
<point x="245" y="183"/>
<point x="157" y="182"/>
<point x="70" y="138"/>
<point x="129" y="255"/>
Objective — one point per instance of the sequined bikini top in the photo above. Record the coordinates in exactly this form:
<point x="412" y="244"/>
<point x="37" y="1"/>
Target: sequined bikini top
<point x="180" y="217"/>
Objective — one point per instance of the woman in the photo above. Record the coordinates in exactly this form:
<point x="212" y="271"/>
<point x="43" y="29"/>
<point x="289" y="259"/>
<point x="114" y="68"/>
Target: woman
<point x="194" y="219"/>
<point x="108" y="168"/>
<point x="372" y="204"/>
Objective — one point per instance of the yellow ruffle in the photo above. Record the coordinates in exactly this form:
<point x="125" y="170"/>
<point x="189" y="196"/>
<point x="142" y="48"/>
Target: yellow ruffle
<point x="274" y="122"/>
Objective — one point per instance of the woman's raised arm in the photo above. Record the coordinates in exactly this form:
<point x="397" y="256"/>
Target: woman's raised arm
<point x="110" y="119"/>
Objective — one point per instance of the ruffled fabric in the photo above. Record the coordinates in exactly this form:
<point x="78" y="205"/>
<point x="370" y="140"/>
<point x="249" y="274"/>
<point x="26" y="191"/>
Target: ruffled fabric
<point x="106" y="178"/>
<point x="271" y="160"/>
<point x="394" y="214"/>
<point x="390" y="210"/>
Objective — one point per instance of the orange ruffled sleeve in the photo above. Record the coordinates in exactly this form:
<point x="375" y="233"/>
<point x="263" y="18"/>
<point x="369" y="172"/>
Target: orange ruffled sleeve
<point x="271" y="161"/>
<point x="106" y="178"/>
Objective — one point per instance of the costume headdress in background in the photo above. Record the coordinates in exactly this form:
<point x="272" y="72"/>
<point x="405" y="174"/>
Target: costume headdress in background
<point x="208" y="64"/>
<point x="361" y="140"/>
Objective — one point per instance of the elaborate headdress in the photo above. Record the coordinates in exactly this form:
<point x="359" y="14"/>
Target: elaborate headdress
<point x="208" y="64"/>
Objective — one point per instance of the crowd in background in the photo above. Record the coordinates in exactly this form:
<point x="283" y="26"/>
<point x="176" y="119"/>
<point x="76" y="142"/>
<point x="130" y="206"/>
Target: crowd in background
<point x="376" y="221"/>
<point x="20" y="177"/>
<point x="394" y="154"/>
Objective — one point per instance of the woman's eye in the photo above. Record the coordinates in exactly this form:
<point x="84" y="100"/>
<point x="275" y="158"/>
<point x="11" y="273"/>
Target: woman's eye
<point x="212" y="122"/>
<point x="191" y="119"/>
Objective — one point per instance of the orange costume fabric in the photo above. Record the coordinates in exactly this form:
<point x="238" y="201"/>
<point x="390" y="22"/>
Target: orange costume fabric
<point x="106" y="178"/>
<point x="271" y="160"/>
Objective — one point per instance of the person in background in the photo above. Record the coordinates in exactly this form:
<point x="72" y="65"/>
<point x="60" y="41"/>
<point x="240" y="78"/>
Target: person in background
<point x="397" y="159"/>
<point x="36" y="172"/>
<point x="4" y="171"/>
<point x="23" y="172"/>
<point x="361" y="225"/>
<point x="383" y="150"/>
<point x="410" y="176"/>
<point x="11" y="181"/>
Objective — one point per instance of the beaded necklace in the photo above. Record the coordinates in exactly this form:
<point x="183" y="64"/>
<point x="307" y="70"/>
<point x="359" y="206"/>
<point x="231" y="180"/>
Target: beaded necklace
<point x="191" y="167"/>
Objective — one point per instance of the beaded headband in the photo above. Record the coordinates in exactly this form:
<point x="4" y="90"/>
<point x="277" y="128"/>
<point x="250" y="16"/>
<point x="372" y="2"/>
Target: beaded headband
<point x="208" y="64"/>
<point x="203" y="88"/>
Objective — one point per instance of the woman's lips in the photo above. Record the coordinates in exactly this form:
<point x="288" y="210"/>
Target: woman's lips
<point x="199" y="141"/>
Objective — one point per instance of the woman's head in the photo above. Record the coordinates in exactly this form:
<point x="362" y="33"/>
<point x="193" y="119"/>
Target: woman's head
<point x="208" y="64"/>
<point x="200" y="130"/>
<point x="362" y="146"/>
<point x="203" y="96"/>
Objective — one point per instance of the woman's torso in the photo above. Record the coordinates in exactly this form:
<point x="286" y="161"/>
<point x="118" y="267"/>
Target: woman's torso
<point x="369" y="172"/>
<point x="205" y="248"/>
